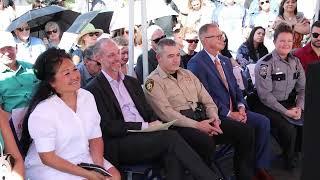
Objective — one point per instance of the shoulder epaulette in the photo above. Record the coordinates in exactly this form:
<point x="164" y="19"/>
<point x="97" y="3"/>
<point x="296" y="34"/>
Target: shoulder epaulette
<point x="267" y="57"/>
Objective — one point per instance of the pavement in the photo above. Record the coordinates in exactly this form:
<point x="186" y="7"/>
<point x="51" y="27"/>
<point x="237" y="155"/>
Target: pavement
<point x="277" y="169"/>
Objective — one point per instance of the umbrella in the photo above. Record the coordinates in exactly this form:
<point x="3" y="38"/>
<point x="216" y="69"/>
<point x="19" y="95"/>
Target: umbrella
<point x="100" y="20"/>
<point x="37" y="18"/>
<point x="155" y="9"/>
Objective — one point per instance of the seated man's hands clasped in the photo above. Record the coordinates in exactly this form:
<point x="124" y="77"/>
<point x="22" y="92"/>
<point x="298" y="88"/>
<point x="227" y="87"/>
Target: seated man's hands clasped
<point x="240" y="116"/>
<point x="210" y="126"/>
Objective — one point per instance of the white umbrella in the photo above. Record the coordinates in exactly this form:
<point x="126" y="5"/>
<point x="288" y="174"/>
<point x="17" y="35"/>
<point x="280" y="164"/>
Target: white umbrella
<point x="155" y="9"/>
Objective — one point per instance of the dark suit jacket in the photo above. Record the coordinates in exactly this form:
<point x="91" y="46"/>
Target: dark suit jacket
<point x="204" y="68"/>
<point x="152" y="64"/>
<point x="311" y="124"/>
<point x="112" y="121"/>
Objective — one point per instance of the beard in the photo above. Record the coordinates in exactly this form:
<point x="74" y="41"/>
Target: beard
<point x="316" y="43"/>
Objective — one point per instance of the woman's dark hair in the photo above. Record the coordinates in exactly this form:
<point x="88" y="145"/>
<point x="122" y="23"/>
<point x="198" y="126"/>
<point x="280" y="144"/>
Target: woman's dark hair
<point x="7" y="3"/>
<point x="281" y="28"/>
<point x="262" y="49"/>
<point x="281" y="9"/>
<point x="225" y="51"/>
<point x="45" y="69"/>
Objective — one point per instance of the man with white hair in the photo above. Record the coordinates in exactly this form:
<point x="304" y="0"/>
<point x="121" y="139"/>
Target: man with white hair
<point x="17" y="80"/>
<point x="16" y="77"/>
<point x="154" y="34"/>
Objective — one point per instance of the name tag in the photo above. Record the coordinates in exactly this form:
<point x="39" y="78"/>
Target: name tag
<point x="278" y="77"/>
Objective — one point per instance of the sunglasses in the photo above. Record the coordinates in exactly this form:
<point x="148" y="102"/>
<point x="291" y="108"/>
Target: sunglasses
<point x="262" y="3"/>
<point x="53" y="31"/>
<point x="158" y="39"/>
<point x="23" y="29"/>
<point x="94" y="34"/>
<point x="315" y="35"/>
<point x="192" y="40"/>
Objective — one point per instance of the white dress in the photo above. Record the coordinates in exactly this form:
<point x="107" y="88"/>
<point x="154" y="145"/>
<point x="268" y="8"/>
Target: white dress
<point x="53" y="126"/>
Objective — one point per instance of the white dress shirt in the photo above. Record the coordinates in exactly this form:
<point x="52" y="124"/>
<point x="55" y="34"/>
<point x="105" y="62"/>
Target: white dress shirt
<point x="54" y="126"/>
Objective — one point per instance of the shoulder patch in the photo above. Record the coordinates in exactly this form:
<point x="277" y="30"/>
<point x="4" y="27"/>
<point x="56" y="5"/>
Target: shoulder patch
<point x="267" y="57"/>
<point x="149" y="84"/>
<point x="263" y="69"/>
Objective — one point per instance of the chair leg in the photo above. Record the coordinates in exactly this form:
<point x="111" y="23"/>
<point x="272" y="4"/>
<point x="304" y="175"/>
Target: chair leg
<point x="129" y="175"/>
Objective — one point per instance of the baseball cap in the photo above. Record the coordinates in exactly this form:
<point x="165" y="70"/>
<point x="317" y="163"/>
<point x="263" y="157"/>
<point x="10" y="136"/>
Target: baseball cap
<point x="6" y="39"/>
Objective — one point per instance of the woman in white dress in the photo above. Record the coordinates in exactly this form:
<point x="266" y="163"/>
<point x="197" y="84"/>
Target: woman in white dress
<point x="61" y="128"/>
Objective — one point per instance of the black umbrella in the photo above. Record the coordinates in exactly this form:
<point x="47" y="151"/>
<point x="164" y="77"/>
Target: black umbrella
<point x="37" y="18"/>
<point x="100" y="20"/>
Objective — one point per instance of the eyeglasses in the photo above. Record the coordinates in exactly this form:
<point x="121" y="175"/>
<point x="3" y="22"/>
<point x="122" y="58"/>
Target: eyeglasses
<point x="315" y="35"/>
<point x="94" y="34"/>
<point x="23" y="29"/>
<point x="98" y="63"/>
<point x="158" y="39"/>
<point x="53" y="31"/>
<point x="262" y="2"/>
<point x="192" y="40"/>
<point x="219" y="37"/>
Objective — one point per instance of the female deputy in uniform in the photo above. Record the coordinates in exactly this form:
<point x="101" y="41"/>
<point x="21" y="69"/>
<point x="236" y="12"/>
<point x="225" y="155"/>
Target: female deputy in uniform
<point x="280" y="83"/>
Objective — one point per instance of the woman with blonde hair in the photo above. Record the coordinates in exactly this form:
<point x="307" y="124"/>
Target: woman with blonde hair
<point x="53" y="34"/>
<point x="87" y="37"/>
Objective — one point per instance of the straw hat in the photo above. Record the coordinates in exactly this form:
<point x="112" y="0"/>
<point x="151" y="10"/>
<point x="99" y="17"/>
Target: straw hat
<point x="89" y="28"/>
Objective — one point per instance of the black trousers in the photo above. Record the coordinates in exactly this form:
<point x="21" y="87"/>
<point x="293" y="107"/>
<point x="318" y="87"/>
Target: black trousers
<point x="167" y="146"/>
<point x="235" y="133"/>
<point x="289" y="136"/>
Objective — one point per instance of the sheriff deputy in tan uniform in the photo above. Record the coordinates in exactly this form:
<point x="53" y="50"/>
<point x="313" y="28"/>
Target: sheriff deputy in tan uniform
<point x="280" y="83"/>
<point x="175" y="93"/>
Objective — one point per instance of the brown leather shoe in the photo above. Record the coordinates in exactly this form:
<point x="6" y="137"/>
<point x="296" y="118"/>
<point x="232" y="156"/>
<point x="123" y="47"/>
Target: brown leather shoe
<point x="262" y="174"/>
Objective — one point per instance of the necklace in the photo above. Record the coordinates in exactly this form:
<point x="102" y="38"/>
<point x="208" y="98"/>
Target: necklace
<point x="289" y="18"/>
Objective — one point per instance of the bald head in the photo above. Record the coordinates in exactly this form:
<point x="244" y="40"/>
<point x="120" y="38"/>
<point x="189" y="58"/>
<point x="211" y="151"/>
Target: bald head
<point x="98" y="48"/>
<point x="108" y="54"/>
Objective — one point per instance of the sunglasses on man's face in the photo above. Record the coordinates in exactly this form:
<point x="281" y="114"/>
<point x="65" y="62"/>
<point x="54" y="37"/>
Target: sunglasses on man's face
<point x="158" y="39"/>
<point x="53" y="31"/>
<point x="263" y="2"/>
<point x="94" y="34"/>
<point x="23" y="29"/>
<point x="315" y="35"/>
<point x="192" y="41"/>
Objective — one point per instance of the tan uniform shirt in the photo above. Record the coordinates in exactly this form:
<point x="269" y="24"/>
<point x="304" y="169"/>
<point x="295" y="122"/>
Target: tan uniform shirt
<point x="168" y="95"/>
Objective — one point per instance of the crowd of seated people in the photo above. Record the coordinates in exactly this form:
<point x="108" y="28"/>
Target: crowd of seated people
<point x="84" y="106"/>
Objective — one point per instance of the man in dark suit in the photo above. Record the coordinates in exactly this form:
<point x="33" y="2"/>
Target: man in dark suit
<point x="123" y="107"/>
<point x="216" y="74"/>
